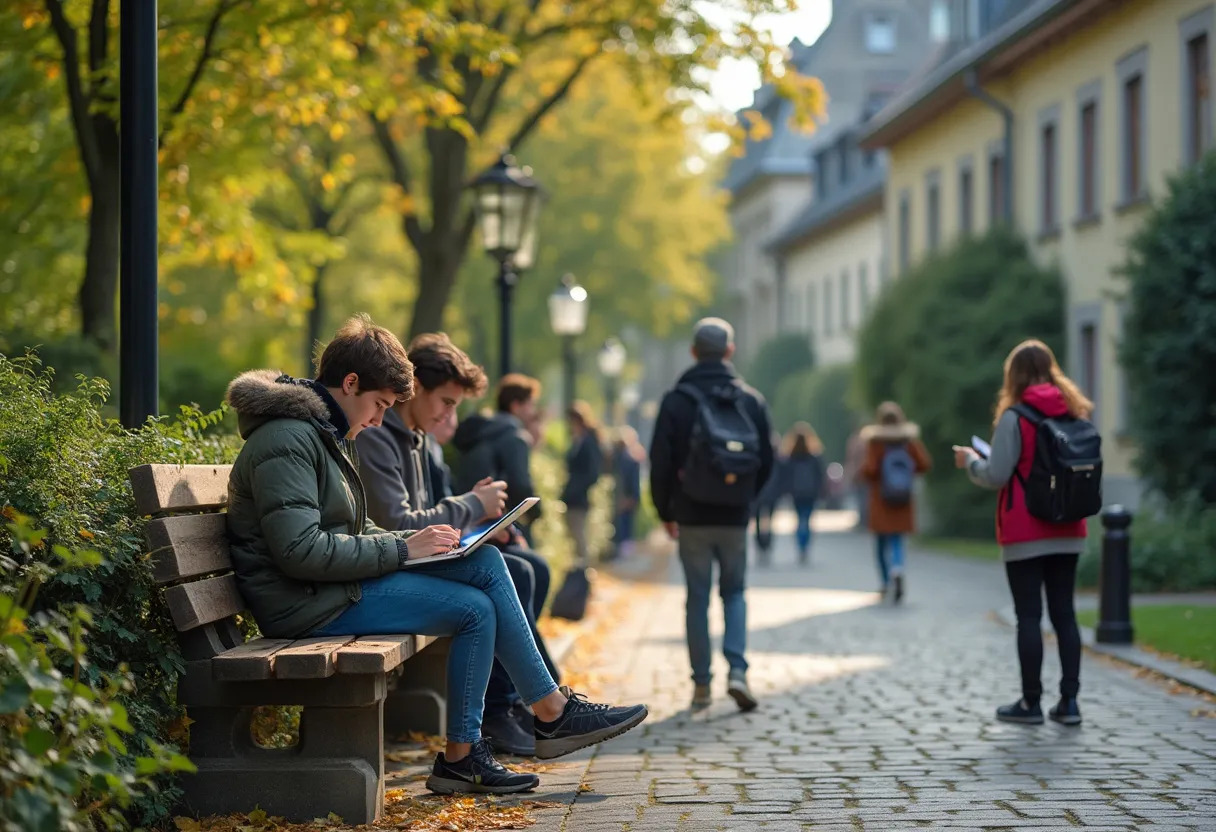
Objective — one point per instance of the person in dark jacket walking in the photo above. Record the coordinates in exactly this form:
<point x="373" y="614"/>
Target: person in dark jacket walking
<point x="584" y="460"/>
<point x="309" y="562"/>
<point x="500" y="446"/>
<point x="709" y="533"/>
<point x="1040" y="557"/>
<point x="627" y="458"/>
<point x="802" y="478"/>
<point x="396" y="468"/>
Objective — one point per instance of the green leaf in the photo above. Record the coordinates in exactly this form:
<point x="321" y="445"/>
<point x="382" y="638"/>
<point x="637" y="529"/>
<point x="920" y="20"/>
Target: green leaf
<point x="14" y="696"/>
<point x="38" y="741"/>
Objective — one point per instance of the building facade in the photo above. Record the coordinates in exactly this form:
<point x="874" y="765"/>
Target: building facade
<point x="868" y="50"/>
<point x="1066" y="116"/>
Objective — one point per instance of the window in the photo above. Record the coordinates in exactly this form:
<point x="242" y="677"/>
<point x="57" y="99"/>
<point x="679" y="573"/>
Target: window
<point x="880" y="33"/>
<point x="939" y="21"/>
<point x="905" y="231"/>
<point x="1198" y="98"/>
<point x="966" y="200"/>
<point x="845" y="153"/>
<point x="1132" y="72"/>
<point x="1089" y="360"/>
<point x="933" y="211"/>
<point x="809" y="321"/>
<point x="846" y="317"/>
<point x="821" y="174"/>
<point x="996" y="189"/>
<point x="1088" y="163"/>
<point x="827" y="305"/>
<point x="1049" y="210"/>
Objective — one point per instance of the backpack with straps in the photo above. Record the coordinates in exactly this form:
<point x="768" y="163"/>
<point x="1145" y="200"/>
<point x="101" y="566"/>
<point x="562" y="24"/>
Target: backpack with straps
<point x="896" y="474"/>
<point x="1065" y="482"/>
<point x="723" y="463"/>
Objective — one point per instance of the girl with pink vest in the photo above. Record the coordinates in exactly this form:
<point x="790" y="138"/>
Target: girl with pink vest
<point x="1038" y="555"/>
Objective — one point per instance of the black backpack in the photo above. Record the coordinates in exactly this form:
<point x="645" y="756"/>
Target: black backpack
<point x="1065" y="482"/>
<point x="723" y="463"/>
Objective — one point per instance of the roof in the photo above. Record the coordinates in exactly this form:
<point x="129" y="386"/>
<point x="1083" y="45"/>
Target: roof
<point x="840" y="205"/>
<point x="944" y="81"/>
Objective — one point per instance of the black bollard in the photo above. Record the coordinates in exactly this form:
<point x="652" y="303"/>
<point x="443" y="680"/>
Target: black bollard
<point x="1115" y="579"/>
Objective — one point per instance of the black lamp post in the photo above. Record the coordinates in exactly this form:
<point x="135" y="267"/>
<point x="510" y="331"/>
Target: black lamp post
<point x="611" y="359"/>
<point x="137" y="153"/>
<point x="508" y="201"/>
<point x="568" y="317"/>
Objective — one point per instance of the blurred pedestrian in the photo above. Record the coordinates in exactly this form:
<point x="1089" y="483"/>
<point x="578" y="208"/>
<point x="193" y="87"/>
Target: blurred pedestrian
<point x="802" y="476"/>
<point x="627" y="457"/>
<point x="584" y="462"/>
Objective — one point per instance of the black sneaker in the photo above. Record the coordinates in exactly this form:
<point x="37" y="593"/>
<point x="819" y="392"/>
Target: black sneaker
<point x="1021" y="713"/>
<point x="506" y="735"/>
<point x="584" y="723"/>
<point x="898" y="582"/>
<point x="478" y="773"/>
<point x="1066" y="712"/>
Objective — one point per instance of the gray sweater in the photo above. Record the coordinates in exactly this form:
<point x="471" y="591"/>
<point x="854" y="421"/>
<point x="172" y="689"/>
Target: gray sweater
<point x="996" y="472"/>
<point x="396" y="476"/>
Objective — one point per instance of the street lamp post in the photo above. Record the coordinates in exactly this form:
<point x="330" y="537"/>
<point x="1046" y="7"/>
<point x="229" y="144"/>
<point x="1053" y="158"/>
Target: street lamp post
<point x="611" y="359"/>
<point x="568" y="317"/>
<point x="508" y="202"/>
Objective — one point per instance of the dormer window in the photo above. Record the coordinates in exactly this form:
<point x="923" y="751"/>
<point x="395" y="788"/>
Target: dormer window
<point x="880" y="33"/>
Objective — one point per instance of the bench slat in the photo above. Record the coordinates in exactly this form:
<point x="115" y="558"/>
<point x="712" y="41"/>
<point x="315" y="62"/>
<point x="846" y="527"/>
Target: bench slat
<point x="251" y="661"/>
<point x="202" y="602"/>
<point x="309" y="658"/>
<point x="177" y="488"/>
<point x="188" y="545"/>
<point x="376" y="654"/>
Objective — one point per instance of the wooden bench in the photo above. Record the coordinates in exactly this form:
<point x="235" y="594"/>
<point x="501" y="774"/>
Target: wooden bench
<point x="343" y="683"/>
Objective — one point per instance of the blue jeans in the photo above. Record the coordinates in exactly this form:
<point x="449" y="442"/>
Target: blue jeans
<point x="700" y="547"/>
<point x="895" y="542"/>
<point x="803" y="533"/>
<point x="472" y="600"/>
<point x="530" y="576"/>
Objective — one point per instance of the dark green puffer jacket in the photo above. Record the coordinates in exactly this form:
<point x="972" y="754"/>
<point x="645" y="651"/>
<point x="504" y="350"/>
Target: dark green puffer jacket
<point x="297" y="516"/>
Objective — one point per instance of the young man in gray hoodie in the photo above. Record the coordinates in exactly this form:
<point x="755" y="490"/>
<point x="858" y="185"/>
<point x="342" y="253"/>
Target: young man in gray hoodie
<point x="395" y="466"/>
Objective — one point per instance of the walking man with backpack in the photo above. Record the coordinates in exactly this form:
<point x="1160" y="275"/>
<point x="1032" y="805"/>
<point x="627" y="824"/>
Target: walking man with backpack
<point x="709" y="458"/>
<point x="894" y="456"/>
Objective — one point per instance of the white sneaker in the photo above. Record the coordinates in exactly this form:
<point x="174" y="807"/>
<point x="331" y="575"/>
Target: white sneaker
<point x="739" y="691"/>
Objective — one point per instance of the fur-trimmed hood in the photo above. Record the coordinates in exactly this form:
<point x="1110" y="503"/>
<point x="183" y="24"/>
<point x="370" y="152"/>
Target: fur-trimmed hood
<point x="904" y="432"/>
<point x="258" y="396"/>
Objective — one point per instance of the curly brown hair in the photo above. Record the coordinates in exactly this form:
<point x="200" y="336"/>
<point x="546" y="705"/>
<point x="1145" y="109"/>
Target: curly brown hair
<point x="371" y="352"/>
<point x="438" y="361"/>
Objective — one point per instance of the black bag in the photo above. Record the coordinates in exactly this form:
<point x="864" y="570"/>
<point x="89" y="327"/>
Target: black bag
<point x="1065" y="482"/>
<point x="571" y="600"/>
<point x="723" y="460"/>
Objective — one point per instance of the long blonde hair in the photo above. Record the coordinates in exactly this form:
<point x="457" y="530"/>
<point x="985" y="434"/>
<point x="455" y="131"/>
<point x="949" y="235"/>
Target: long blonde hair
<point x="1032" y="362"/>
<point x="801" y="440"/>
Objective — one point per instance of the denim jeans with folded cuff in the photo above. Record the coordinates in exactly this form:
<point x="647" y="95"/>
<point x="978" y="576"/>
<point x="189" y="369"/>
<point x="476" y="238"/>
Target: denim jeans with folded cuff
<point x="470" y="599"/>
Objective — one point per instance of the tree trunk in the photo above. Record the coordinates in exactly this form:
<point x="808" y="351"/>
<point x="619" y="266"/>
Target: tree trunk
<point x="438" y="263"/>
<point x="98" y="297"/>
<point x="316" y="317"/>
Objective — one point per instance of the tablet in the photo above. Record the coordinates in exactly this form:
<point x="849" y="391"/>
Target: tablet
<point x="981" y="447"/>
<point x="470" y="543"/>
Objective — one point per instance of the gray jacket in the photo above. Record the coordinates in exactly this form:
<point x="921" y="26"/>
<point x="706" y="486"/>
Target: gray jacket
<point x="997" y="470"/>
<point x="395" y="469"/>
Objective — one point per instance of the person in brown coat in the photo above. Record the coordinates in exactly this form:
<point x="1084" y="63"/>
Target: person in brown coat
<point x="894" y="457"/>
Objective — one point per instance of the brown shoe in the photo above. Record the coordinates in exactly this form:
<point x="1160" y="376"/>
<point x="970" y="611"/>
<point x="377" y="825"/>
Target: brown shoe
<point x="701" y="697"/>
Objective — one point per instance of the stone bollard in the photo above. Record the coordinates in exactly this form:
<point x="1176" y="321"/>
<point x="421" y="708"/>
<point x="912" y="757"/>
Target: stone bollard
<point x="1115" y="578"/>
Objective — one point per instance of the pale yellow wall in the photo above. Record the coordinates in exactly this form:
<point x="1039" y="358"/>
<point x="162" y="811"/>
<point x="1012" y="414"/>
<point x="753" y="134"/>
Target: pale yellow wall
<point x="826" y="257"/>
<point x="1087" y="253"/>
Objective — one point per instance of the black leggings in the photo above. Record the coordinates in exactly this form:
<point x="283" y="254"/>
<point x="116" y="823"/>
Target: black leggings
<point x="1027" y="579"/>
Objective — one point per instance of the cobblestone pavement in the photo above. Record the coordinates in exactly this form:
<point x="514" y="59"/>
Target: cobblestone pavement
<point x="876" y="717"/>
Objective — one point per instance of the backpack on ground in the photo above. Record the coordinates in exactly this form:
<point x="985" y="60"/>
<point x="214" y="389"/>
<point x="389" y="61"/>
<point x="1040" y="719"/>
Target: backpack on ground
<point x="571" y="600"/>
<point x="723" y="462"/>
<point x="897" y="473"/>
<point x="1065" y="482"/>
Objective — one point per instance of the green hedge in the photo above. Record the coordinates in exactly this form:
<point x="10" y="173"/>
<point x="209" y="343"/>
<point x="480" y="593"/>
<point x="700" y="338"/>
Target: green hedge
<point x="65" y="466"/>
<point x="1173" y="550"/>
<point x="936" y="343"/>
<point x="1169" y="336"/>
<point x="777" y="359"/>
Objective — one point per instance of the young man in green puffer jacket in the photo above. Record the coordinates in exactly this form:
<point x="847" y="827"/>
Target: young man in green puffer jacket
<point x="309" y="562"/>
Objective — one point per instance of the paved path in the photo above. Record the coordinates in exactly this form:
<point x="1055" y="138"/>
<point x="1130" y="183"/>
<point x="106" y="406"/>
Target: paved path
<point x="876" y="717"/>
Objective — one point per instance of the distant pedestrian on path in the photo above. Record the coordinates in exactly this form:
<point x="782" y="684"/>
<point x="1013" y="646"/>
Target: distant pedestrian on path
<point x="766" y="504"/>
<point x="801" y="475"/>
<point x="894" y="457"/>
<point x="627" y="458"/>
<point x="584" y="461"/>
<point x="1039" y="554"/>
<point x="709" y="457"/>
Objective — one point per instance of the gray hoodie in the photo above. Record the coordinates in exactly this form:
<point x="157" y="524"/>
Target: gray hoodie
<point x="395" y="472"/>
